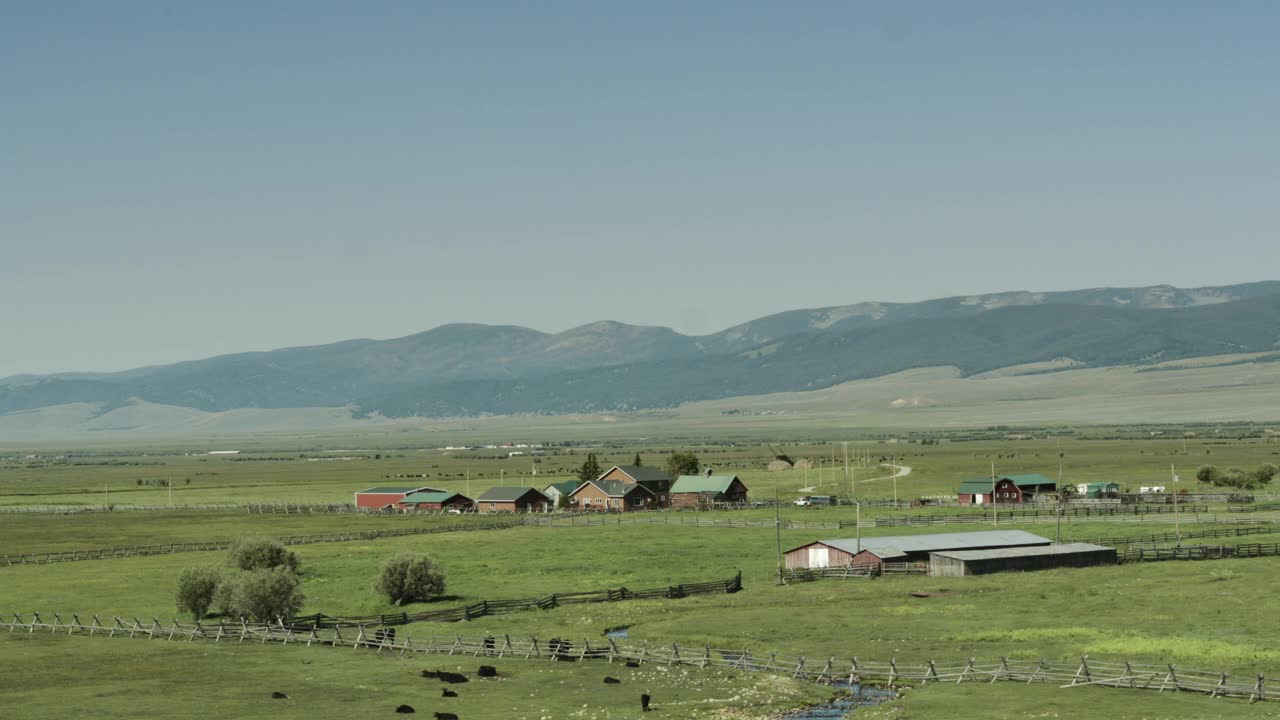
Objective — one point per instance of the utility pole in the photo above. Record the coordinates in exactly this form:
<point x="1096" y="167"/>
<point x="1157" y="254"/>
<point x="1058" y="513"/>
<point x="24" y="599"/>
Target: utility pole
<point x="106" y="495"/>
<point x="894" y="468"/>
<point x="169" y="482"/>
<point x="1177" y="523"/>
<point x="845" y="443"/>
<point x="1062" y="504"/>
<point x="777" y="525"/>
<point x="995" y="516"/>
<point x="857" y="523"/>
<point x="468" y="482"/>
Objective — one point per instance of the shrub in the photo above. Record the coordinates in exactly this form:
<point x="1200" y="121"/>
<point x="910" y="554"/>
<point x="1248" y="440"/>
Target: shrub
<point x="410" y="577"/>
<point x="264" y="594"/>
<point x="196" y="589"/>
<point x="260" y="553"/>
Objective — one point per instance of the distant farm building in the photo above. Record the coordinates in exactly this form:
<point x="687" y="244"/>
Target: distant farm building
<point x="382" y="497"/>
<point x="612" y="495"/>
<point x="1007" y="489"/>
<point x="438" y="500"/>
<point x="698" y="490"/>
<point x="512" y="499"/>
<point x="875" y="551"/>
<point x="958" y="563"/>
<point x="653" y="479"/>
<point x="1098" y="490"/>
<point x="555" y="491"/>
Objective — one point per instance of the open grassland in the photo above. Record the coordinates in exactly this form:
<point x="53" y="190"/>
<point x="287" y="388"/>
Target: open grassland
<point x="57" y="677"/>
<point x="318" y="475"/>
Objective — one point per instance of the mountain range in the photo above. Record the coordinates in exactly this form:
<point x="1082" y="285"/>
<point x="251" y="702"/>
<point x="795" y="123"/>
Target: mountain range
<point x="461" y="370"/>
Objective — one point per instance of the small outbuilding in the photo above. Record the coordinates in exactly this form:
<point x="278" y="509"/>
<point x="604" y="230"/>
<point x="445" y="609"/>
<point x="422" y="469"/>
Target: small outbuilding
<point x="903" y="548"/>
<point x="1098" y="490"/>
<point x="385" y="497"/>
<point x="958" y="563"/>
<point x="512" y="499"/>
<point x="438" y="500"/>
<point x="612" y="495"/>
<point x="699" y="490"/>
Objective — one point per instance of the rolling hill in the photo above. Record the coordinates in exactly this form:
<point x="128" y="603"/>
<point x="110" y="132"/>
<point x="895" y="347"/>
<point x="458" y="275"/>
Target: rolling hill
<point x="461" y="370"/>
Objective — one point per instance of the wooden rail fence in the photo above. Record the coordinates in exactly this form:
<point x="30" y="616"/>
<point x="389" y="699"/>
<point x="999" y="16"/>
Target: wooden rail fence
<point x="1087" y="672"/>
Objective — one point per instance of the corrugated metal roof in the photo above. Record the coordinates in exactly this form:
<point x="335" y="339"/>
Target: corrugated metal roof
<point x="641" y="473"/>
<point x="933" y="542"/>
<point x="702" y="483"/>
<point x="432" y="496"/>
<point x="1064" y="549"/>
<point x="980" y="485"/>
<point x="507" y="494"/>
<point x="392" y="490"/>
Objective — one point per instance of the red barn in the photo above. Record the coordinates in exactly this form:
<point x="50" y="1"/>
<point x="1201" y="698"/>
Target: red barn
<point x="381" y="497"/>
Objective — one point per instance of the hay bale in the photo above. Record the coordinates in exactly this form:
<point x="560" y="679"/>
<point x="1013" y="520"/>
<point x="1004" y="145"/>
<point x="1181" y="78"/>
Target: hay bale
<point x="778" y="465"/>
<point x="802" y="464"/>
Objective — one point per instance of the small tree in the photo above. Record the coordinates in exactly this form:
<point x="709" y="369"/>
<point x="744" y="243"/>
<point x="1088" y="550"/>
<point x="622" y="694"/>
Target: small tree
<point x="196" y="588"/>
<point x="259" y="553"/>
<point x="410" y="577"/>
<point x="1209" y="474"/>
<point x="683" y="463"/>
<point x="637" y="462"/>
<point x="590" y="469"/>
<point x="264" y="594"/>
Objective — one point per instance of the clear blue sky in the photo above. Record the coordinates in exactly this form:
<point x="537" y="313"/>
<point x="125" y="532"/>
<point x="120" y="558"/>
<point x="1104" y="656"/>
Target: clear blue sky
<point x="184" y="179"/>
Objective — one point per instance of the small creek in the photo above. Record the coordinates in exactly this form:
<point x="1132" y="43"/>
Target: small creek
<point x="845" y="705"/>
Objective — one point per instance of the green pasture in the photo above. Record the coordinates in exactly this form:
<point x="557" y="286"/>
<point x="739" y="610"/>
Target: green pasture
<point x="57" y="677"/>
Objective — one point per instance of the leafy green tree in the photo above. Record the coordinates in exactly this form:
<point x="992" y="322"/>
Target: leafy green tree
<point x="683" y="463"/>
<point x="263" y="595"/>
<point x="196" y="589"/>
<point x="590" y="469"/>
<point x="1209" y="474"/>
<point x="410" y="577"/>
<point x="253" y="552"/>
<point x="637" y="462"/>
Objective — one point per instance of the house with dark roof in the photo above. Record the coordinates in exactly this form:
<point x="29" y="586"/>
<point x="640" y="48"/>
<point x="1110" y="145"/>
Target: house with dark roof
<point x="701" y="490"/>
<point x="612" y="496"/>
<point x="512" y="499"/>
<point x="384" y="497"/>
<point x="1005" y="489"/>
<point x="555" y="491"/>
<point x="655" y="480"/>
<point x="874" y="551"/>
<point x="438" y="500"/>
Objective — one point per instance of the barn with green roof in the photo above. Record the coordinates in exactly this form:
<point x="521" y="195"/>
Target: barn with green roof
<point x="703" y="490"/>
<point x="1021" y="488"/>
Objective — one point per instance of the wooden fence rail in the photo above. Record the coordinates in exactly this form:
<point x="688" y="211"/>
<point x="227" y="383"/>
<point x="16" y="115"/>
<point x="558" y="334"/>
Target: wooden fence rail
<point x="818" y="668"/>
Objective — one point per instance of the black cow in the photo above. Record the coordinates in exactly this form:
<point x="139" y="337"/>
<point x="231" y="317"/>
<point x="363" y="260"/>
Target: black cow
<point x="405" y="709"/>
<point x="612" y="681"/>
<point x="632" y="663"/>
<point x="446" y="716"/>
<point x="488" y="671"/>
<point x="489" y="646"/>
<point x="452" y="677"/>
<point x="644" y="702"/>
<point x="448" y="693"/>
<point x="279" y="696"/>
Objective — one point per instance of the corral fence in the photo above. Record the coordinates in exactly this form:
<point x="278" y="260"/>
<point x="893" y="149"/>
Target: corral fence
<point x="485" y="608"/>
<point x="845" y="572"/>
<point x="1200" y="552"/>
<point x="820" y="669"/>
<point x="1101" y="511"/>
<point x="1235" y="531"/>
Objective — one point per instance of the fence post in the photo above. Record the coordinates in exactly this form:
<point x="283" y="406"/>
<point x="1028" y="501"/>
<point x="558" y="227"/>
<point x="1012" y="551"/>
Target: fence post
<point x="1172" y="677"/>
<point x="893" y="671"/>
<point x="1221" y="689"/>
<point x="965" y="673"/>
<point x="799" y="668"/>
<point x="1259" y="691"/>
<point x="1082" y="671"/>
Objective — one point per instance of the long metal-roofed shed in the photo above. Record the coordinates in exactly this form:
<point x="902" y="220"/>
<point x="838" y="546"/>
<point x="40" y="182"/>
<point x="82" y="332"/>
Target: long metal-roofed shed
<point x="438" y="500"/>
<point x="958" y="563"/>
<point x="904" y="548"/>
<point x="381" y="497"/>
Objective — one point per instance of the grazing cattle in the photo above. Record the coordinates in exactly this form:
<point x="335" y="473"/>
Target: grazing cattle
<point x="488" y="671"/>
<point x="561" y="649"/>
<point x="489" y="646"/>
<point x="644" y="702"/>
<point x="612" y="681"/>
<point x="405" y="709"/>
<point x="451" y="677"/>
<point x="448" y="693"/>
<point x="279" y="696"/>
<point x="446" y="716"/>
<point x="632" y="663"/>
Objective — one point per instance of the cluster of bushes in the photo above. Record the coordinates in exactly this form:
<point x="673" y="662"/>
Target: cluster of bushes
<point x="1237" y="478"/>
<point x="260" y="581"/>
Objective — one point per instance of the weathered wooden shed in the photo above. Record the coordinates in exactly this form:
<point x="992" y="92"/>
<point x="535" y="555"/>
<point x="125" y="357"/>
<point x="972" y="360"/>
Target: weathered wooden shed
<point x="512" y="499"/>
<point x="438" y="500"/>
<point x="958" y="563"/>
<point x="903" y="548"/>
<point x="701" y="490"/>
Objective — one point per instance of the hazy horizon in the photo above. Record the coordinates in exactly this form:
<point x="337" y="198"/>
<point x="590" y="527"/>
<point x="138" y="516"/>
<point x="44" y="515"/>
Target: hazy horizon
<point x="184" y="182"/>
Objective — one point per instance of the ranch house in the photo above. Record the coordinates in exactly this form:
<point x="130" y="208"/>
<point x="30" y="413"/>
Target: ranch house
<point x="555" y="491"/>
<point x="653" y="479"/>
<point x="384" y="497"/>
<point x="699" y="490"/>
<point x="1008" y="489"/>
<point x="438" y="500"/>
<point x="612" y="495"/>
<point x="512" y="499"/>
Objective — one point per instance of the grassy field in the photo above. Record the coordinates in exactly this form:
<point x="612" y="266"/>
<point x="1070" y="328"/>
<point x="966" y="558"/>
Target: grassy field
<point x="1210" y="615"/>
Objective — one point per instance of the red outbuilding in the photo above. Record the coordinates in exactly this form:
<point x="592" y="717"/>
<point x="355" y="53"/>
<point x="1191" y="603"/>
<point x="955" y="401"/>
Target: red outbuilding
<point x="381" y="497"/>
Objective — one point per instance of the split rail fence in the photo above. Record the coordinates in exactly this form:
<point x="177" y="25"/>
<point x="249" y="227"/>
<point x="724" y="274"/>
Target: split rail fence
<point x="820" y="669"/>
